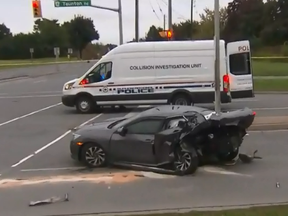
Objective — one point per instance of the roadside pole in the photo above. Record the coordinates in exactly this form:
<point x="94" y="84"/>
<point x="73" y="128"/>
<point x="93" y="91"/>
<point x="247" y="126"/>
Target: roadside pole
<point x="170" y="17"/>
<point x="119" y="11"/>
<point x="137" y="20"/>
<point x="217" y="101"/>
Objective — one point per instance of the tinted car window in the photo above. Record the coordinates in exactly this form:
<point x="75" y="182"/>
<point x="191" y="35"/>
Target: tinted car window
<point x="145" y="127"/>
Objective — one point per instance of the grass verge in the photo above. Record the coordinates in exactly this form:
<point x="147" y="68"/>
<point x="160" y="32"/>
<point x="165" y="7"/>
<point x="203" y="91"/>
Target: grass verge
<point x="255" y="211"/>
<point x="271" y="85"/>
<point x="268" y="68"/>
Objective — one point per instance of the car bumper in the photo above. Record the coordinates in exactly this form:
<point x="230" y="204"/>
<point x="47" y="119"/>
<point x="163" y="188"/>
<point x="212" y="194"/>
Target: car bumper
<point x="75" y="151"/>
<point x="68" y="100"/>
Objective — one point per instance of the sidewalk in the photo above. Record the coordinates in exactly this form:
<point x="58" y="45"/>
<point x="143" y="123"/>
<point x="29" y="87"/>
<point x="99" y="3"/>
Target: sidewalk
<point x="270" y="123"/>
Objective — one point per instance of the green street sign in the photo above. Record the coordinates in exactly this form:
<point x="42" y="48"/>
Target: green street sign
<point x="69" y="3"/>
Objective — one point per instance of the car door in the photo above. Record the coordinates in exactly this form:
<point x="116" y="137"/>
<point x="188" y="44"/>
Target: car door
<point x="240" y="69"/>
<point x="137" y="145"/>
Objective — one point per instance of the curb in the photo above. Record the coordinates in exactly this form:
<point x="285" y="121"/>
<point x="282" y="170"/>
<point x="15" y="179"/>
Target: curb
<point x="271" y="92"/>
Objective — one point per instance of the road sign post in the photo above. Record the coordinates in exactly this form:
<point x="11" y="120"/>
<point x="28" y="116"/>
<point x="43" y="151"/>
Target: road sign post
<point x="57" y="54"/>
<point x="69" y="3"/>
<point x="31" y="50"/>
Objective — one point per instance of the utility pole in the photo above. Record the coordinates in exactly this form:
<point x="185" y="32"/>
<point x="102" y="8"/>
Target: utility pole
<point x="137" y="20"/>
<point x="119" y="11"/>
<point x="217" y="56"/>
<point x="170" y="15"/>
<point x="164" y="22"/>
<point x="191" y="18"/>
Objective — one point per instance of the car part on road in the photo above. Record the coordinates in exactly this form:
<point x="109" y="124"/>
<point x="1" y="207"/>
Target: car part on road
<point x="50" y="200"/>
<point x="245" y="158"/>
<point x="85" y="104"/>
<point x="93" y="155"/>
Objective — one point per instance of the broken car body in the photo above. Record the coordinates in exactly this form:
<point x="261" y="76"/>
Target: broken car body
<point x="167" y="139"/>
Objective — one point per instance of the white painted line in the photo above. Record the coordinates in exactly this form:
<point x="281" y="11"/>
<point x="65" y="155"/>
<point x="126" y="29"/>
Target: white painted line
<point x="29" y="114"/>
<point x="271" y="108"/>
<point x="51" y="169"/>
<point x="53" y="142"/>
<point x="222" y="171"/>
<point x="28" y="96"/>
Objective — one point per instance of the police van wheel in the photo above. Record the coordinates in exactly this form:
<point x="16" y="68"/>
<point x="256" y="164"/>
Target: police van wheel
<point x="182" y="100"/>
<point x="85" y="105"/>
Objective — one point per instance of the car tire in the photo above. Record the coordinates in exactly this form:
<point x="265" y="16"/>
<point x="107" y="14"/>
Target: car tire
<point x="93" y="155"/>
<point x="182" y="100"/>
<point x="186" y="162"/>
<point x="229" y="156"/>
<point x="85" y="105"/>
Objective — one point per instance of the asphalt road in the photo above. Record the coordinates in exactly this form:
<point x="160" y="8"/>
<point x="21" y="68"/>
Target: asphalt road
<point x="34" y="131"/>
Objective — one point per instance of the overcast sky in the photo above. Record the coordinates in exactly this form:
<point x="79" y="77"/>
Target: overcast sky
<point x="17" y="15"/>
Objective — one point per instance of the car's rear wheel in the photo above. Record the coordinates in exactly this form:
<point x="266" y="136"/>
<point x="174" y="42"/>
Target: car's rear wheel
<point x="85" y="104"/>
<point x="93" y="155"/>
<point x="186" y="162"/>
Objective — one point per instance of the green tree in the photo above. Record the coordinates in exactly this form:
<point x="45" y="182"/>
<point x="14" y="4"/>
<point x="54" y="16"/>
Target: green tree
<point x="244" y="19"/>
<point x="153" y="34"/>
<point x="4" y="31"/>
<point x="81" y="31"/>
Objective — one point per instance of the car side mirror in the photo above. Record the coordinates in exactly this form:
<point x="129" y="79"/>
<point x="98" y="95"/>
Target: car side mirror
<point x="122" y="131"/>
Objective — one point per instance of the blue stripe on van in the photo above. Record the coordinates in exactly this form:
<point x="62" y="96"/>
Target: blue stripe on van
<point x="188" y="86"/>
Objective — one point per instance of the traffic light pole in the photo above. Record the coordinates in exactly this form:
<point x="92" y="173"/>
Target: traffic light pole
<point x="119" y="11"/>
<point x="170" y="15"/>
<point x="137" y="20"/>
<point x="217" y="57"/>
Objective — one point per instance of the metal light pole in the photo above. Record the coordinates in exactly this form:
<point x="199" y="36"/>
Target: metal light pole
<point x="217" y="56"/>
<point x="137" y="20"/>
<point x="191" y="18"/>
<point x="170" y="14"/>
<point x="119" y="11"/>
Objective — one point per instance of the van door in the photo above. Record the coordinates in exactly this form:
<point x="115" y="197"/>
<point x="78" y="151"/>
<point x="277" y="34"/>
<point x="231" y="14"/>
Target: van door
<point x="240" y="69"/>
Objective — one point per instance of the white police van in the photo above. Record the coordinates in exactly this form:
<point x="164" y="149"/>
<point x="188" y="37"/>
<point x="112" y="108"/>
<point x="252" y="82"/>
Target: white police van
<point x="173" y="72"/>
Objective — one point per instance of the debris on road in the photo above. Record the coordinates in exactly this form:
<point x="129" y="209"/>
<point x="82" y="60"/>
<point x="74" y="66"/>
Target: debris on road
<point x="245" y="158"/>
<point x="50" y="200"/>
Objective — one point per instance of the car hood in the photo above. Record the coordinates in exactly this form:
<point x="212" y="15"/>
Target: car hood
<point x="96" y="126"/>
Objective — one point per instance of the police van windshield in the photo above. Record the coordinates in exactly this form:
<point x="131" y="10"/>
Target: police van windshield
<point x="240" y="64"/>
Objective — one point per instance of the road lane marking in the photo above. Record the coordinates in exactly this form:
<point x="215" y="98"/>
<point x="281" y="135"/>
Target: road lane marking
<point x="53" y="142"/>
<point x="270" y="108"/>
<point x="52" y="169"/>
<point x="29" y="96"/>
<point x="29" y="114"/>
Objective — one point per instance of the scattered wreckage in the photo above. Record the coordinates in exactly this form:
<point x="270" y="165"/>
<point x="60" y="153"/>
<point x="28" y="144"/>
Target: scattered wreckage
<point x="165" y="139"/>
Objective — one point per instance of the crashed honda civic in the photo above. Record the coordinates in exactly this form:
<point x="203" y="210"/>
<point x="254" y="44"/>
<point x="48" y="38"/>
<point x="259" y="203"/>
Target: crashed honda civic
<point x="167" y="139"/>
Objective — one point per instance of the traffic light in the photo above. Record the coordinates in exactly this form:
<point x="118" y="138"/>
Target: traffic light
<point x="169" y="34"/>
<point x="166" y="34"/>
<point x="37" y="12"/>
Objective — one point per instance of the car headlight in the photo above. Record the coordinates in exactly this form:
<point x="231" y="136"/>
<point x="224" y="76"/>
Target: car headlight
<point x="68" y="86"/>
<point x="75" y="136"/>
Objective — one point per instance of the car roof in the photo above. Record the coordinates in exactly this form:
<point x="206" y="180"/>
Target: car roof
<point x="170" y="110"/>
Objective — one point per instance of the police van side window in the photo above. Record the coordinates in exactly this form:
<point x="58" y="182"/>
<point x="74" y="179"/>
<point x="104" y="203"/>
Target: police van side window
<point x="100" y="73"/>
<point x="240" y="64"/>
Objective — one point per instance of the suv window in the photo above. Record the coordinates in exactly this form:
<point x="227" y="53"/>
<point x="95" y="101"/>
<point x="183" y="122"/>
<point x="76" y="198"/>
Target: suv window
<point x="100" y="73"/>
<point x="240" y="64"/>
<point x="150" y="126"/>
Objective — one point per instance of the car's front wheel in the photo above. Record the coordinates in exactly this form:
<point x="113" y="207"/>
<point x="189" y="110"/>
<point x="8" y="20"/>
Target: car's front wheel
<point x="93" y="155"/>
<point x="186" y="162"/>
